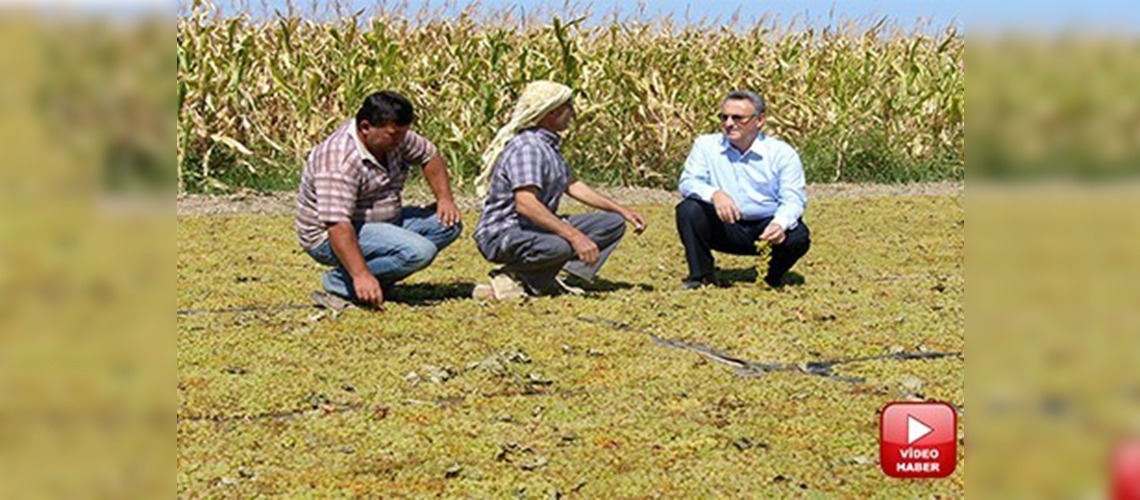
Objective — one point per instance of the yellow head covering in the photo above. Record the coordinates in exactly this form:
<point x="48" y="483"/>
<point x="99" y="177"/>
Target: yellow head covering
<point x="537" y="99"/>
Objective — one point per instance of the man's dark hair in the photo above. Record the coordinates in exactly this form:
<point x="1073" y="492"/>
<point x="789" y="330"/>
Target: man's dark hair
<point x="384" y="107"/>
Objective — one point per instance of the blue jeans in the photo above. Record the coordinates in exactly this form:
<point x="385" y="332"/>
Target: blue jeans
<point x="392" y="250"/>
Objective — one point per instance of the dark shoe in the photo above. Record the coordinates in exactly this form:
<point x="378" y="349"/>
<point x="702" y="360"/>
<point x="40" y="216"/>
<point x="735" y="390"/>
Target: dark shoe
<point x="774" y="283"/>
<point x="695" y="284"/>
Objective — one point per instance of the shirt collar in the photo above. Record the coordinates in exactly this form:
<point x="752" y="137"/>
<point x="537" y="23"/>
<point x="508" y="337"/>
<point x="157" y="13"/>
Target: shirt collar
<point x="546" y="135"/>
<point x="756" y="147"/>
<point x="360" y="147"/>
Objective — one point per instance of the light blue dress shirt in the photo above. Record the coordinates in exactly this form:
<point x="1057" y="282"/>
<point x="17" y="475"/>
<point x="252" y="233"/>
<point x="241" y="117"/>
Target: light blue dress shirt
<point x="767" y="180"/>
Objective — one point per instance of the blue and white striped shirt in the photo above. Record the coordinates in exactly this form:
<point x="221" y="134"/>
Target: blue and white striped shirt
<point x="767" y="180"/>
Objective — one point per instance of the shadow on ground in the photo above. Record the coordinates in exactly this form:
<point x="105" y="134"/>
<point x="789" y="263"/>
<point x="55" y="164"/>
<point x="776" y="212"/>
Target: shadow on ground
<point x="728" y="277"/>
<point x="604" y="285"/>
<point x="426" y="294"/>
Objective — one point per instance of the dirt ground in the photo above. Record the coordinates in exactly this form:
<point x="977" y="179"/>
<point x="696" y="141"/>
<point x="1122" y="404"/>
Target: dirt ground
<point x="283" y="202"/>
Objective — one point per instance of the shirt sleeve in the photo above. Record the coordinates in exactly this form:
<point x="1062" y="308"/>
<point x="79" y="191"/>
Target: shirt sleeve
<point x="523" y="166"/>
<point x="792" y="192"/>
<point x="336" y="194"/>
<point x="416" y="149"/>
<point x="695" y="179"/>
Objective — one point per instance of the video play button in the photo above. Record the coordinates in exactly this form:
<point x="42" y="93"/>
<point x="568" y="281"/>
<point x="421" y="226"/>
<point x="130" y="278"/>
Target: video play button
<point x="918" y="439"/>
<point x="915" y="430"/>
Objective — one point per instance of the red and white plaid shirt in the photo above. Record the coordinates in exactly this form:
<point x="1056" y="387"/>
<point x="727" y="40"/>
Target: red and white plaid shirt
<point x="343" y="181"/>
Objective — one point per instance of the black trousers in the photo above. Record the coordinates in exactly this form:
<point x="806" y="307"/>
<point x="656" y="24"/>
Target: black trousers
<point x="702" y="232"/>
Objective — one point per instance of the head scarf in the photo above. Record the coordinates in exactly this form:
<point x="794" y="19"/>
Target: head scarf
<point x="537" y="99"/>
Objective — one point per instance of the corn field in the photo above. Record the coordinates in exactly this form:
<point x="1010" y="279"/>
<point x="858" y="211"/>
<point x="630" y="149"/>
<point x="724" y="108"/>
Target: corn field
<point x="860" y="104"/>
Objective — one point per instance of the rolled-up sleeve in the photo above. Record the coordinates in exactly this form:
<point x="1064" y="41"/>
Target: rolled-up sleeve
<point x="416" y="149"/>
<point x="792" y="193"/>
<point x="695" y="179"/>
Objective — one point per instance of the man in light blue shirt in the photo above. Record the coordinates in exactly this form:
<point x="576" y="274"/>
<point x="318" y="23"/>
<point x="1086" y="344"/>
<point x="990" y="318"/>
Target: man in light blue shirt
<point x="740" y="188"/>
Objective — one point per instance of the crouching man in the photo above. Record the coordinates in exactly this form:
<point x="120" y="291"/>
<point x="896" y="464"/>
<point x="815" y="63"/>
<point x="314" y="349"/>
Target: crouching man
<point x="518" y="227"/>
<point x="350" y="212"/>
<point x="741" y="188"/>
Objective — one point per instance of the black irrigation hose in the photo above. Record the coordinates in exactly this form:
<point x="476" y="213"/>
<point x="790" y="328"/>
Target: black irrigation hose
<point x="743" y="367"/>
<point x="755" y="369"/>
<point x="281" y="414"/>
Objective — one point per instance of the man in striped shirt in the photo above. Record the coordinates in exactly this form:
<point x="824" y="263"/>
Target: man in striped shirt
<point x="519" y="226"/>
<point x="350" y="212"/>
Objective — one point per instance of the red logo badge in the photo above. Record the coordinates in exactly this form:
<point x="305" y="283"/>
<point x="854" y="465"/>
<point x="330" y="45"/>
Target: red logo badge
<point x="918" y="440"/>
<point x="1126" y="472"/>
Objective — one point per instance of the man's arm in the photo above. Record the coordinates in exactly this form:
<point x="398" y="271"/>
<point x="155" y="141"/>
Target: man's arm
<point x="342" y="238"/>
<point x="792" y="197"/>
<point x="336" y="187"/>
<point x="585" y="194"/>
<point x="696" y="182"/>
<point x="528" y="205"/>
<point x="435" y="171"/>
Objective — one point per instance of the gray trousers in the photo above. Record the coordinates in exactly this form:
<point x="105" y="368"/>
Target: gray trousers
<point x="536" y="256"/>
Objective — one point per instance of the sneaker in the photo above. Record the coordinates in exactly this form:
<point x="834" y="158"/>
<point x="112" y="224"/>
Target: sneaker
<point x="572" y="290"/>
<point x="695" y="284"/>
<point x="558" y="287"/>
<point x="331" y="302"/>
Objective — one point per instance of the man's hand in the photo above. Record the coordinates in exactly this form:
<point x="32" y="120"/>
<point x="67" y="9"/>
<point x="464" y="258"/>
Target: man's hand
<point x="528" y="205"/>
<point x="447" y="212"/>
<point x="586" y="249"/>
<point x="773" y="234"/>
<point x="342" y="238"/>
<point x="435" y="171"/>
<point x="634" y="218"/>
<point x="726" y="209"/>
<point x="368" y="290"/>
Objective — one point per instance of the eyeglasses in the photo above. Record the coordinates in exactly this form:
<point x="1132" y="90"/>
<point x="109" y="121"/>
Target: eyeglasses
<point x="739" y="119"/>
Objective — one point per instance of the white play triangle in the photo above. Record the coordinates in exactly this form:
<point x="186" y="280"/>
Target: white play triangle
<point x="915" y="430"/>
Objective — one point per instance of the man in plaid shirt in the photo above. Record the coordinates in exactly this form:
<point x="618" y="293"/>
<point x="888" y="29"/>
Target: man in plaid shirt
<point x="518" y="226"/>
<point x="350" y="212"/>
